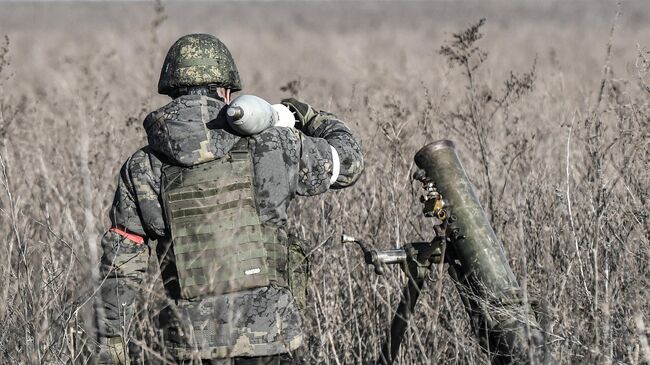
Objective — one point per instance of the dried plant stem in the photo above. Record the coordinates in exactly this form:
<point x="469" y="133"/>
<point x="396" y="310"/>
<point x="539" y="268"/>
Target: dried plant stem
<point x="568" y="200"/>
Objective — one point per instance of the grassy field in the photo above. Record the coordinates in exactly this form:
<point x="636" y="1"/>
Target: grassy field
<point x="552" y="126"/>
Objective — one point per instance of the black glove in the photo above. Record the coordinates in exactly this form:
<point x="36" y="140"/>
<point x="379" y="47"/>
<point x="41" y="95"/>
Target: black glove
<point x="302" y="112"/>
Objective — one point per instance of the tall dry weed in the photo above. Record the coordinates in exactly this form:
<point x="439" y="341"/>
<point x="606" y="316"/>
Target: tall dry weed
<point x="558" y="153"/>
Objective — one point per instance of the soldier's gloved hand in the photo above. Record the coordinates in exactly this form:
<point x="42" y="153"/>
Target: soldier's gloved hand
<point x="302" y="112"/>
<point x="111" y="352"/>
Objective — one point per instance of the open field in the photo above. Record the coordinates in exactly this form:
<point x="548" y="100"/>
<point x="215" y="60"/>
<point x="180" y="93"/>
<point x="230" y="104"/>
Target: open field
<point x="560" y="158"/>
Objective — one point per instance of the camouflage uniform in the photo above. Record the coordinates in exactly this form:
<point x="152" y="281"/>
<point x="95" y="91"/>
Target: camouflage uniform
<point x="287" y="162"/>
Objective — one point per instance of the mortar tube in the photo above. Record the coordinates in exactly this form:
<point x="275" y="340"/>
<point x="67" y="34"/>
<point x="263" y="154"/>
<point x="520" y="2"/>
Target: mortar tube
<point x="506" y="327"/>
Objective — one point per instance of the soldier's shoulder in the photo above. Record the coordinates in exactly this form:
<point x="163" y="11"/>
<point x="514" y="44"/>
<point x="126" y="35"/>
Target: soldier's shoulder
<point x="278" y="136"/>
<point x="142" y="162"/>
<point x="162" y="114"/>
<point x="278" y="141"/>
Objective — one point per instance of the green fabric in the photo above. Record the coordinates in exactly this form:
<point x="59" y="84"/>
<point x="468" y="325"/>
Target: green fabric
<point x="221" y="240"/>
<point x="212" y="258"/>
<point x="238" y="212"/>
<point x="209" y="192"/>
<point x="219" y="243"/>
<point x="196" y="60"/>
<point x="299" y="271"/>
<point x="235" y="270"/>
<point x="178" y="177"/>
<point x="224" y="198"/>
<point x="247" y="202"/>
<point x="222" y="224"/>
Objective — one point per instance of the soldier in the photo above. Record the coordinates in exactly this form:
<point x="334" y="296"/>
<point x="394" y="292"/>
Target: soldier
<point x="211" y="206"/>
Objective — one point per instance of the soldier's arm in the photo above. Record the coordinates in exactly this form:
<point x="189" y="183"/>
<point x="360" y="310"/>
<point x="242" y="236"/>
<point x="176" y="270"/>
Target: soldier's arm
<point x="347" y="148"/>
<point x="324" y="131"/>
<point x="124" y="259"/>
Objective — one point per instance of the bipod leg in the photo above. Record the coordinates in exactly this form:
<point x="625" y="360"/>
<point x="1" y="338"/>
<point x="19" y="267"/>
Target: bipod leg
<point x="415" y="259"/>
<point x="398" y="326"/>
<point x="420" y="257"/>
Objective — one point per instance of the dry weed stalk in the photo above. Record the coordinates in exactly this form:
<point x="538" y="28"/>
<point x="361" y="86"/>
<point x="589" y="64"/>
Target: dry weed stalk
<point x="572" y="213"/>
<point x="481" y="103"/>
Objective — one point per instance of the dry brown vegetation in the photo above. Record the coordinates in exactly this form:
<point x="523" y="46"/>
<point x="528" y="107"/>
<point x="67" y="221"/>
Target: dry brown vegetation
<point x="552" y="125"/>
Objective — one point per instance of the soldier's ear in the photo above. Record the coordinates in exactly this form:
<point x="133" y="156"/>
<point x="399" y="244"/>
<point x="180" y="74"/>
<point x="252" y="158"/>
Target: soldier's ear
<point x="224" y="94"/>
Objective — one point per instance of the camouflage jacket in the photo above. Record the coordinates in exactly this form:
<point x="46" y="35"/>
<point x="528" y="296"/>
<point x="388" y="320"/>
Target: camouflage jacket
<point x="287" y="162"/>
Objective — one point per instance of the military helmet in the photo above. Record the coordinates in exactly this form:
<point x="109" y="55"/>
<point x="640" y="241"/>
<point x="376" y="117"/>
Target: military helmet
<point x="198" y="60"/>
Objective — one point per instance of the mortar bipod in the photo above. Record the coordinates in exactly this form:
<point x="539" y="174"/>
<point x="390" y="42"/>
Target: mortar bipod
<point x="415" y="259"/>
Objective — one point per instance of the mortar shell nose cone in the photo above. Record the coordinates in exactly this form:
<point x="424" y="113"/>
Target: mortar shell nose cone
<point x="235" y="112"/>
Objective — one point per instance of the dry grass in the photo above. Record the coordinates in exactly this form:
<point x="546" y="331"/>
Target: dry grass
<point x="552" y="126"/>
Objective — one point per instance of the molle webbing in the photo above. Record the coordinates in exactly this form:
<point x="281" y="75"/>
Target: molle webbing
<point x="220" y="244"/>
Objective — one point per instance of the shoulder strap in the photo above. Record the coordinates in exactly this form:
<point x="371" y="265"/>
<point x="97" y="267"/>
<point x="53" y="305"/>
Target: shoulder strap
<point x="240" y="151"/>
<point x="240" y="146"/>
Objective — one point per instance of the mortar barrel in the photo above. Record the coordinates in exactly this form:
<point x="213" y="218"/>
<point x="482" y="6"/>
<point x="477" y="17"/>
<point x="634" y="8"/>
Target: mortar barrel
<point x="476" y="253"/>
<point x="477" y="263"/>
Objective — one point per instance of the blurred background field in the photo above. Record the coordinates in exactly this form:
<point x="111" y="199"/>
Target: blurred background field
<point x="560" y="159"/>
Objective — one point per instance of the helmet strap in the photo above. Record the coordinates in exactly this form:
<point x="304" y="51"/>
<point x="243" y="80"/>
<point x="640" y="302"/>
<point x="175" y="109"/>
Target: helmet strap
<point x="210" y="90"/>
<point x="213" y="89"/>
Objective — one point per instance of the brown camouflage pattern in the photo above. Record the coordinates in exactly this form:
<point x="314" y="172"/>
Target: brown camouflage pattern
<point x="195" y="60"/>
<point x="287" y="162"/>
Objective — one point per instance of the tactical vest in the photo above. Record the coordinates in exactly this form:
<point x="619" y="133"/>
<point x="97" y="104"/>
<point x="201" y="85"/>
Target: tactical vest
<point x="218" y="241"/>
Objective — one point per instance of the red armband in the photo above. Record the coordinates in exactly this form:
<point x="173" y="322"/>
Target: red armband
<point x="133" y="237"/>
